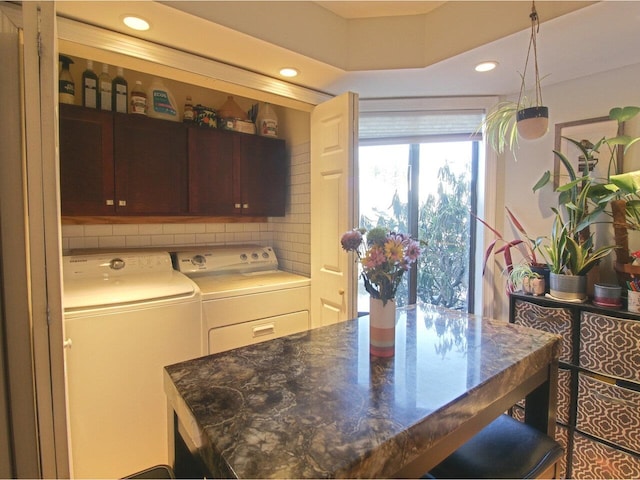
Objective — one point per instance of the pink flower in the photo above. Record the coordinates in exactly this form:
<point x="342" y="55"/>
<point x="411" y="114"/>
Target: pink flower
<point x="374" y="258"/>
<point x="412" y="252"/>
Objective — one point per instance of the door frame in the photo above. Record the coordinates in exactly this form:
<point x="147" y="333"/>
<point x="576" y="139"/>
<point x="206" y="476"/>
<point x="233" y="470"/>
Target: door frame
<point x="34" y="261"/>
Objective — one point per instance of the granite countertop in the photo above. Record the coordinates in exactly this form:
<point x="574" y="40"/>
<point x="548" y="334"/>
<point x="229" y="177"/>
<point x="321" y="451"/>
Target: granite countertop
<point x="316" y="405"/>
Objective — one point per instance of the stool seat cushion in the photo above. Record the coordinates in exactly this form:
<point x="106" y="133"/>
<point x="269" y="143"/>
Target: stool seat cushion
<point x="506" y="448"/>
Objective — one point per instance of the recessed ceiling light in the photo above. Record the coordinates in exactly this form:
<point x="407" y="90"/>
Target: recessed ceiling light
<point x="135" y="22"/>
<point x="486" y="66"/>
<point x="288" y="72"/>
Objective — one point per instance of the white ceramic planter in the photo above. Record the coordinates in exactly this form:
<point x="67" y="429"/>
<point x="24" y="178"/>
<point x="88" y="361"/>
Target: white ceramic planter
<point x="532" y="122"/>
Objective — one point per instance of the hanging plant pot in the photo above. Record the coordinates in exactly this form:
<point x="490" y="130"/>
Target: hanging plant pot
<point x="532" y="122"/>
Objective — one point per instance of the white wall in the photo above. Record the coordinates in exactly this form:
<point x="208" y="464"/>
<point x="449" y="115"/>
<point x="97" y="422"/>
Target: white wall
<point x="584" y="98"/>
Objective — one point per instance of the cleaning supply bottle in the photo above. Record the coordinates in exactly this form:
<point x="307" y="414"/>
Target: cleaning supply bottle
<point x="188" y="115"/>
<point x="105" y="88"/>
<point x="89" y="87"/>
<point x="267" y="121"/>
<point x="66" y="87"/>
<point x="161" y="103"/>
<point x="138" y="99"/>
<point x="119" y="92"/>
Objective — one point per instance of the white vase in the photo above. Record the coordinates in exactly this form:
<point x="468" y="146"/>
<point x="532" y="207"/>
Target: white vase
<point x="382" y="327"/>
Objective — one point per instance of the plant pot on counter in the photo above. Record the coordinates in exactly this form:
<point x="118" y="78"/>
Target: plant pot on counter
<point x="568" y="287"/>
<point x="543" y="271"/>
<point x="607" y="295"/>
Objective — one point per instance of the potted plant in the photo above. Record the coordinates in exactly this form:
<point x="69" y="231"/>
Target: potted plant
<point x="526" y="245"/>
<point x="585" y="199"/>
<point x="522" y="277"/>
<point x="527" y="119"/>
<point x="571" y="256"/>
<point x="508" y="120"/>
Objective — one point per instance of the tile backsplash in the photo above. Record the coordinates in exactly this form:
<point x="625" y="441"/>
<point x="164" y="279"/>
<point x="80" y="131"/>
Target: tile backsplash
<point x="288" y="235"/>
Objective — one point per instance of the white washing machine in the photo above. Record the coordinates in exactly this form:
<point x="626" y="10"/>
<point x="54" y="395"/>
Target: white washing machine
<point x="127" y="315"/>
<point x="246" y="299"/>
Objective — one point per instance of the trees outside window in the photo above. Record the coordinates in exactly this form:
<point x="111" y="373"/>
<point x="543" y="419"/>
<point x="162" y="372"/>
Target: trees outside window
<point x="425" y="190"/>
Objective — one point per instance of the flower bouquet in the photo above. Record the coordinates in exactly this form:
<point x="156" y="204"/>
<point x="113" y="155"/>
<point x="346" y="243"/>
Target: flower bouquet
<point x="384" y="257"/>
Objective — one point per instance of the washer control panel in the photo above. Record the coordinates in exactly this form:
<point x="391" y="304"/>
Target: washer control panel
<point x="104" y="265"/>
<point x="227" y="259"/>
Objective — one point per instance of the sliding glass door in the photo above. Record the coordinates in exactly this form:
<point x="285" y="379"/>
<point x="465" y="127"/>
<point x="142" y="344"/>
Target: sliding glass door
<point x="425" y="189"/>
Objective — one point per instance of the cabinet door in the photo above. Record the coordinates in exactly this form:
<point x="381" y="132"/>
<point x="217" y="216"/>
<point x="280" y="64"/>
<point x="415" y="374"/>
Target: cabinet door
<point x="151" y="166"/>
<point x="263" y="175"/>
<point x="86" y="161"/>
<point x="210" y="172"/>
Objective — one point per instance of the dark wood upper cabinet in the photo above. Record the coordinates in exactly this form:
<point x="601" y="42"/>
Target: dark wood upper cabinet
<point x="210" y="172"/>
<point x="234" y="173"/>
<point x="151" y="166"/>
<point x="86" y="161"/>
<point x="263" y="176"/>
<point x="132" y="165"/>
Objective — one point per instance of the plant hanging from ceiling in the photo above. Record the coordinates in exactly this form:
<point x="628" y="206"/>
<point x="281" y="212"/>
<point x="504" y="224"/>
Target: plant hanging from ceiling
<point x="533" y="121"/>
<point x="526" y="118"/>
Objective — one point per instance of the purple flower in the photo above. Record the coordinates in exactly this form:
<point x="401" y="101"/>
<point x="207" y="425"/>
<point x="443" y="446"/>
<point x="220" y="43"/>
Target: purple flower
<point x="351" y="240"/>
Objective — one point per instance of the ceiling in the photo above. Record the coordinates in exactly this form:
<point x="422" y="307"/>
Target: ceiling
<point x="422" y="49"/>
<point x="364" y="9"/>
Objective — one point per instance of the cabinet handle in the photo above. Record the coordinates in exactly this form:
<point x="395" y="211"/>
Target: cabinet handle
<point x="122" y="203"/>
<point x="245" y="205"/>
<point x="262" y="330"/>
<point x="236" y="205"/>
<point x="109" y="202"/>
<point x="617" y="401"/>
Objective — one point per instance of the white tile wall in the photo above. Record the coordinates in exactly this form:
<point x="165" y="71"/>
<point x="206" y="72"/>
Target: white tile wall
<point x="292" y="233"/>
<point x="289" y="235"/>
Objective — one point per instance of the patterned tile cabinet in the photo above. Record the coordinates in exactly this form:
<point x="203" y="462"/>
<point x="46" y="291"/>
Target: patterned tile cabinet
<point x="598" y="387"/>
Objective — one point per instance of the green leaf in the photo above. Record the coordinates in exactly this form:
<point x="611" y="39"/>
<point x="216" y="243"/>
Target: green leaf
<point x="628" y="182"/>
<point x="623" y="114"/>
<point x="546" y="176"/>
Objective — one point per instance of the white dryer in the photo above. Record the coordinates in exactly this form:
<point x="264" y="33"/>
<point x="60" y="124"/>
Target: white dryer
<point x="127" y="315"/>
<point x="246" y="298"/>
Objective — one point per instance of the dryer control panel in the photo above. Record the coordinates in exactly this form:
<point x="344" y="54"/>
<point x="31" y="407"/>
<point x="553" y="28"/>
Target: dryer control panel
<point x="227" y="259"/>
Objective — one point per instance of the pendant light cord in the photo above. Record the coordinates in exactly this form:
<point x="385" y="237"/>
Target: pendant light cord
<point x="535" y="28"/>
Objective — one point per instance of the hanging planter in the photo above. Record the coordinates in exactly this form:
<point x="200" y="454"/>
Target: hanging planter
<point x="527" y="118"/>
<point x="532" y="122"/>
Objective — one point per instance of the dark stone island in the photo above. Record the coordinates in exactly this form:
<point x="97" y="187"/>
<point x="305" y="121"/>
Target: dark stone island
<point x="317" y="405"/>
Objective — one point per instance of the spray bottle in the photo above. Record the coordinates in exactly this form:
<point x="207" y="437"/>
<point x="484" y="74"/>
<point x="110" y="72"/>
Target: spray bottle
<point x="66" y="87"/>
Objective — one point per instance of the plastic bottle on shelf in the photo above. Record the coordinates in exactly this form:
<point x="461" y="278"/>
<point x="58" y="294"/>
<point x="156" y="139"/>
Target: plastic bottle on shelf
<point x="119" y="92"/>
<point x="188" y="115"/>
<point x="138" y="99"/>
<point x="161" y="103"/>
<point x="66" y="86"/>
<point x="267" y="121"/>
<point x="105" y="88"/>
<point x="89" y="87"/>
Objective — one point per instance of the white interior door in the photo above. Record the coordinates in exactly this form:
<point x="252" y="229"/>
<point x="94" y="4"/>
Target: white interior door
<point x="334" y="180"/>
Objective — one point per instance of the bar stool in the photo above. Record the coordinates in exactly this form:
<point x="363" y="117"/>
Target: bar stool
<point x="157" y="472"/>
<point x="506" y="448"/>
